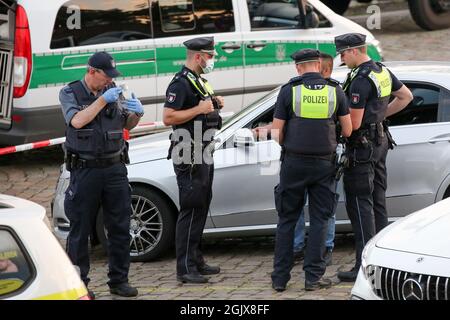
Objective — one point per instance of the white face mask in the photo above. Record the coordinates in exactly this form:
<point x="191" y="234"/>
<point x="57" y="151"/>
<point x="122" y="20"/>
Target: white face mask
<point x="209" y="66"/>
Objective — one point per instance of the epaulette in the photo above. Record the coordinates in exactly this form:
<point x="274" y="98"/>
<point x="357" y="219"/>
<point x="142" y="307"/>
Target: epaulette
<point x="297" y="79"/>
<point x="333" y="82"/>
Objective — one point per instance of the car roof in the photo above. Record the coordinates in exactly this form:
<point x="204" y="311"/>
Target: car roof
<point x="437" y="72"/>
<point x="17" y="208"/>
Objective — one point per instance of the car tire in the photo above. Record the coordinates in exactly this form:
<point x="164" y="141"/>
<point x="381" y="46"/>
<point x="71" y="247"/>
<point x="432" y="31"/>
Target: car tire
<point x="146" y="245"/>
<point x="429" y="14"/>
<point x="337" y="6"/>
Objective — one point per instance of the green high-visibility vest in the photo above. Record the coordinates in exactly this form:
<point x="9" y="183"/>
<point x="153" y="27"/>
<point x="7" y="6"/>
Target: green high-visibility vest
<point x="204" y="89"/>
<point x="381" y="80"/>
<point x="314" y="104"/>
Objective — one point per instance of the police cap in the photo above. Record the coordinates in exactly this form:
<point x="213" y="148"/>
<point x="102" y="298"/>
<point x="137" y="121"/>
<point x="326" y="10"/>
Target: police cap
<point x="349" y="41"/>
<point x="104" y="61"/>
<point x="305" y="55"/>
<point x="202" y="44"/>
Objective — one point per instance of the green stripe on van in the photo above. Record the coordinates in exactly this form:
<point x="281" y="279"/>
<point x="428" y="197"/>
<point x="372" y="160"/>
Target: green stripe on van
<point x="52" y="69"/>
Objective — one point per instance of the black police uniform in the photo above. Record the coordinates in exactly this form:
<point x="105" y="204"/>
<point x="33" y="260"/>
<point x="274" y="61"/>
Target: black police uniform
<point x="96" y="156"/>
<point x="194" y="178"/>
<point x="307" y="166"/>
<point x="365" y="180"/>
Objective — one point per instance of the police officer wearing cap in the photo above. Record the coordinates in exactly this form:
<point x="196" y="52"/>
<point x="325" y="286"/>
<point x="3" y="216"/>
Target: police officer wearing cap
<point x="192" y="109"/>
<point x="304" y="123"/>
<point x="369" y="87"/>
<point x="96" y="154"/>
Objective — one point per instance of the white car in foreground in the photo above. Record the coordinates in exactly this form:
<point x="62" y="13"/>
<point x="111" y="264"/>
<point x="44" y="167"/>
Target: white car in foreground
<point x="32" y="263"/>
<point x="409" y="259"/>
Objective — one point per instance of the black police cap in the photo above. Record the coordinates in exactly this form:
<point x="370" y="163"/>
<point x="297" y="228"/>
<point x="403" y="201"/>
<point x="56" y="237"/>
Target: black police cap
<point x="104" y="61"/>
<point x="202" y="44"/>
<point x="305" y="55"/>
<point x="349" y="41"/>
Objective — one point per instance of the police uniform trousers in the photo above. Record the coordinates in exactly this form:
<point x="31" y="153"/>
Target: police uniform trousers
<point x="299" y="175"/>
<point x="89" y="189"/>
<point x="195" y="194"/>
<point x="365" y="185"/>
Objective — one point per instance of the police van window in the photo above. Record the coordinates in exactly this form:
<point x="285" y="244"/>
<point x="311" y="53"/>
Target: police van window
<point x="283" y="14"/>
<point x="6" y="20"/>
<point x="422" y="109"/>
<point x="84" y="22"/>
<point x="16" y="270"/>
<point x="188" y="17"/>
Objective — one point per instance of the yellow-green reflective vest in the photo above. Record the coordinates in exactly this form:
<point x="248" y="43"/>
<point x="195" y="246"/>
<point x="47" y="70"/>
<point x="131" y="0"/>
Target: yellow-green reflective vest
<point x="314" y="104"/>
<point x="311" y="130"/>
<point x="375" y="109"/>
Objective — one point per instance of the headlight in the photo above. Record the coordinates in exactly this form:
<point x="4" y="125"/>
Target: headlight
<point x="367" y="270"/>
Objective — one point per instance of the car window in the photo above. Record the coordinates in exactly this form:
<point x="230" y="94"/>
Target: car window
<point x="186" y="17"/>
<point x="16" y="270"/>
<point x="83" y="22"/>
<point x="283" y="14"/>
<point x="422" y="109"/>
<point x="6" y="21"/>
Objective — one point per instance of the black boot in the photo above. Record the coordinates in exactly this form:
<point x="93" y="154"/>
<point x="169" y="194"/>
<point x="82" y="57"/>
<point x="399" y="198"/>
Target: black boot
<point x="193" y="277"/>
<point x="322" y="283"/>
<point x="348" y="276"/>
<point x="123" y="290"/>
<point x="206" y="270"/>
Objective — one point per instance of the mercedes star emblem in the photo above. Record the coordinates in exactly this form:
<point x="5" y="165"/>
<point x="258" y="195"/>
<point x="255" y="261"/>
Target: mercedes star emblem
<point x="412" y="290"/>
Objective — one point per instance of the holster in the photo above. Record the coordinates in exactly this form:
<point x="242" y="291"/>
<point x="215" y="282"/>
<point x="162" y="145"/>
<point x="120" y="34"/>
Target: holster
<point x="391" y="141"/>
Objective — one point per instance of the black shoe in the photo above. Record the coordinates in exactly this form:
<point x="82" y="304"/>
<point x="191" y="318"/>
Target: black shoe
<point x="123" y="290"/>
<point x="193" y="277"/>
<point x="348" y="276"/>
<point x="299" y="255"/>
<point x="322" y="283"/>
<point x="278" y="287"/>
<point x="91" y="294"/>
<point x="329" y="257"/>
<point x="208" y="270"/>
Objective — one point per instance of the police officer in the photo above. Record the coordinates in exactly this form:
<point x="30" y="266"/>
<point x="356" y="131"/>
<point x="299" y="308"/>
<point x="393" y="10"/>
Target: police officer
<point x="95" y="156"/>
<point x="192" y="109"/>
<point x="304" y="123"/>
<point x="369" y="86"/>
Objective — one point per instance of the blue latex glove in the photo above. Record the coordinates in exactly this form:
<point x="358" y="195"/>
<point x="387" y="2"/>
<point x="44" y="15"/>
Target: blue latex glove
<point x="134" y="105"/>
<point x="112" y="95"/>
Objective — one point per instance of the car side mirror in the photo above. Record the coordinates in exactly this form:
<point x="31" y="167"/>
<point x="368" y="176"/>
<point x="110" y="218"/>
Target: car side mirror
<point x="243" y="138"/>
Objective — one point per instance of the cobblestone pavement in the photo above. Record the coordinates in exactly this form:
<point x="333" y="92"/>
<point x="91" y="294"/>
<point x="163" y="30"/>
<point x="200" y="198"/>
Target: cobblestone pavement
<point x="246" y="263"/>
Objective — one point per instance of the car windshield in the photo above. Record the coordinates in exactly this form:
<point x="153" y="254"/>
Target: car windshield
<point x="236" y="117"/>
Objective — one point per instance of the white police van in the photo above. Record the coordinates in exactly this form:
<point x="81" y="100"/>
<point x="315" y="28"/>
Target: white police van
<point x="45" y="45"/>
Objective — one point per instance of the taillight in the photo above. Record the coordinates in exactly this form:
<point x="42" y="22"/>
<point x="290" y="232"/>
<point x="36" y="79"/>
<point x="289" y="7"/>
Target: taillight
<point x="86" y="297"/>
<point x="22" y="53"/>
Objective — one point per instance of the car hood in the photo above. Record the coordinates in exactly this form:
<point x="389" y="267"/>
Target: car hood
<point x="424" y="232"/>
<point x="150" y="147"/>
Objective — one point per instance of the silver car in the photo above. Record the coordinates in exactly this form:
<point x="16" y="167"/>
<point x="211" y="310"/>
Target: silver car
<point x="246" y="170"/>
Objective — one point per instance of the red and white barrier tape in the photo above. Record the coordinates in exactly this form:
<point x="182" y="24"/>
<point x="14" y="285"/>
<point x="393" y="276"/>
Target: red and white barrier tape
<point x="143" y="127"/>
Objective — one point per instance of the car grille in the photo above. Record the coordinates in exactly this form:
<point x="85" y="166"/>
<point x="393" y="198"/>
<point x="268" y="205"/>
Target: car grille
<point x="5" y="83"/>
<point x="392" y="284"/>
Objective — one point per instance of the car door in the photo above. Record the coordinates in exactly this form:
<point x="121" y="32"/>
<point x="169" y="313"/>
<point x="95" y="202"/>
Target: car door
<point x="244" y="178"/>
<point x="271" y="33"/>
<point x="177" y="21"/>
<point x="421" y="160"/>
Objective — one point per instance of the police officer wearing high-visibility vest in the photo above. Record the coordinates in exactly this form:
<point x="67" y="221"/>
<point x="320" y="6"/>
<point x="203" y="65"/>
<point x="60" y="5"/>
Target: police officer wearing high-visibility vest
<point x="192" y="109"/>
<point x="369" y="87"/>
<point x="304" y="123"/>
<point x="96" y="154"/>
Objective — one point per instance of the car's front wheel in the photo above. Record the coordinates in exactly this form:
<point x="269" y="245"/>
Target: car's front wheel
<point x="430" y="14"/>
<point x="152" y="225"/>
